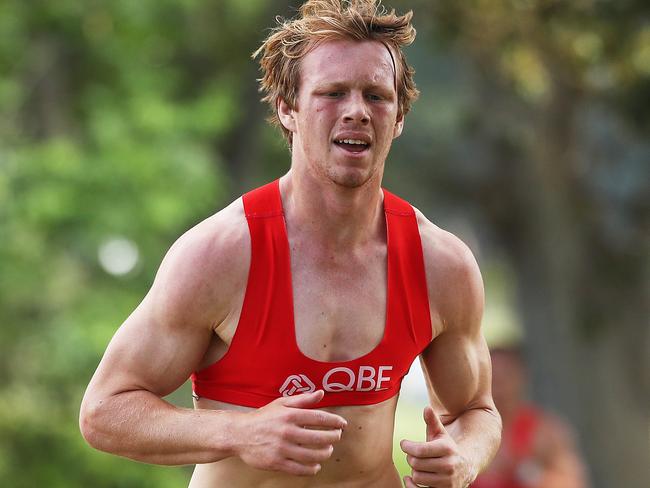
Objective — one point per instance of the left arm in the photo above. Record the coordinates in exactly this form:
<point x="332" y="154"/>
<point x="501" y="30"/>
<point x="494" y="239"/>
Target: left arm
<point x="463" y="427"/>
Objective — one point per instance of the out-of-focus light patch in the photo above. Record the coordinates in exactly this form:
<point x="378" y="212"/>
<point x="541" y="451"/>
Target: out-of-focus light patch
<point x="588" y="46"/>
<point x="500" y="325"/>
<point x="601" y="77"/>
<point x="414" y="386"/>
<point x="118" y="255"/>
<point x="641" y="56"/>
<point x="527" y="71"/>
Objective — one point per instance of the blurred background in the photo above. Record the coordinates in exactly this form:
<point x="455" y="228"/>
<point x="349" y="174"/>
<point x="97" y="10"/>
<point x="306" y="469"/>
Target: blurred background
<point x="124" y="123"/>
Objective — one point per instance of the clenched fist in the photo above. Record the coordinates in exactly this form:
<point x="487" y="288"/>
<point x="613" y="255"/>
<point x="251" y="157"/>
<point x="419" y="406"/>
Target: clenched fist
<point x="436" y="463"/>
<point x="286" y="435"/>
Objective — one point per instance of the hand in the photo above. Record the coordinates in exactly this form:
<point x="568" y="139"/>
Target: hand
<point x="436" y="463"/>
<point x="287" y="436"/>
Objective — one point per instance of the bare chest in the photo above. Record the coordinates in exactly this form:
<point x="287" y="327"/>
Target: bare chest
<point x="339" y="304"/>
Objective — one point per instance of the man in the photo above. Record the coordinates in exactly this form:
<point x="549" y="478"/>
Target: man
<point x="537" y="449"/>
<point x="301" y="305"/>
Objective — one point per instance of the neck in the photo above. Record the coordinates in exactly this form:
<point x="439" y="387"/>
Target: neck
<point x="334" y="216"/>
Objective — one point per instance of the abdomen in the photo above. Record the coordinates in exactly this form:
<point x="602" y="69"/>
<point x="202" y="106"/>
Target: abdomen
<point x="362" y="458"/>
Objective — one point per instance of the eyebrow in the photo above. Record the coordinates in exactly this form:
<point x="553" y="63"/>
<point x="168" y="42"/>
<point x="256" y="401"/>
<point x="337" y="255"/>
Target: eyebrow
<point x="339" y="85"/>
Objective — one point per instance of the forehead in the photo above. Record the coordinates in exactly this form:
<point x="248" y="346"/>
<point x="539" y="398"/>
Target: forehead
<point x="347" y="60"/>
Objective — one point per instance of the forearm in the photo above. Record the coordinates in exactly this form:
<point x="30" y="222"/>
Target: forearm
<point x="477" y="432"/>
<point x="141" y="426"/>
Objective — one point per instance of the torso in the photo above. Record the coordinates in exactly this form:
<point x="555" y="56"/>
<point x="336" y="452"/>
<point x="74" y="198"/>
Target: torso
<point x="362" y="458"/>
<point x="330" y="293"/>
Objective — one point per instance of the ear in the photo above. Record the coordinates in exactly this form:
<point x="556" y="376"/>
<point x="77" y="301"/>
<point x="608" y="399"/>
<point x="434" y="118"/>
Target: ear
<point x="286" y="115"/>
<point x="399" y="125"/>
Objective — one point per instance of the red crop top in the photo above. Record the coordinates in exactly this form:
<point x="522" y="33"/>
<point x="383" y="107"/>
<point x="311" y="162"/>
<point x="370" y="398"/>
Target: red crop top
<point x="264" y="362"/>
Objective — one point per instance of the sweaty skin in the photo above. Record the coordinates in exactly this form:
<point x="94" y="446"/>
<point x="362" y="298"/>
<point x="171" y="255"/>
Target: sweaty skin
<point x="337" y="236"/>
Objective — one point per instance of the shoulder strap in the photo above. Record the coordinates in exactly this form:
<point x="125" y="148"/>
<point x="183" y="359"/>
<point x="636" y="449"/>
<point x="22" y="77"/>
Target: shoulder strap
<point x="397" y="206"/>
<point x="268" y="300"/>
<point x="264" y="201"/>
<point x="409" y="298"/>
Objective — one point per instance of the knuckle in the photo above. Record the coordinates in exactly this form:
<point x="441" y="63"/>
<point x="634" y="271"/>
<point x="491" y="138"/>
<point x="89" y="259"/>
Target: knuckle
<point x="290" y="468"/>
<point x="282" y="452"/>
<point x="284" y="432"/>
<point x="290" y="416"/>
<point x="330" y="437"/>
<point x="305" y="470"/>
<point x="296" y="469"/>
<point x="447" y="468"/>
<point x="416" y="463"/>
<point x="323" y="454"/>
<point x="450" y="449"/>
<point x="419" y="478"/>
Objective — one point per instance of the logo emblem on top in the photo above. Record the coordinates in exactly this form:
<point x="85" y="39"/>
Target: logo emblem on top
<point x="297" y="383"/>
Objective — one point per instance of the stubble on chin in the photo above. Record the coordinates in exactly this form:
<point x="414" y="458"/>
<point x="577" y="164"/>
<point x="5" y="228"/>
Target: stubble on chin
<point x="343" y="175"/>
<point x="349" y="178"/>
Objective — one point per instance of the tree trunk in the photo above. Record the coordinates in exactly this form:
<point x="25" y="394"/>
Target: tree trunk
<point x="584" y="366"/>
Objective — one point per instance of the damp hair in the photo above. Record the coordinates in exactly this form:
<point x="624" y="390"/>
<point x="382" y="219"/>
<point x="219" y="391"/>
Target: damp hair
<point x="326" y="20"/>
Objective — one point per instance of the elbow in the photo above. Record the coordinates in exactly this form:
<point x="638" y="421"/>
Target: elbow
<point x="90" y="416"/>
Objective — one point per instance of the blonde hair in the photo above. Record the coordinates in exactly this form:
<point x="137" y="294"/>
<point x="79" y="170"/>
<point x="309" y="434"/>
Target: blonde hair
<point x="324" y="20"/>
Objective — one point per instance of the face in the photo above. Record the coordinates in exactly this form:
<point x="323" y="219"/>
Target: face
<point x="345" y="117"/>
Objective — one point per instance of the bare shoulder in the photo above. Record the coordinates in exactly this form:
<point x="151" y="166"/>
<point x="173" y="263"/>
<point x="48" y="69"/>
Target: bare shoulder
<point x="205" y="267"/>
<point x="213" y="243"/>
<point x="454" y="280"/>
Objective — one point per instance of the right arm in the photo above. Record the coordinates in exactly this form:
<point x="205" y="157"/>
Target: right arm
<point x="163" y="341"/>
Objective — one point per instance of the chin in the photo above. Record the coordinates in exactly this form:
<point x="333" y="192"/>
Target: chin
<point x="350" y="177"/>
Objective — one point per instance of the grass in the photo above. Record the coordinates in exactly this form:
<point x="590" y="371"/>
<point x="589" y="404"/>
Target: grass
<point x="409" y="424"/>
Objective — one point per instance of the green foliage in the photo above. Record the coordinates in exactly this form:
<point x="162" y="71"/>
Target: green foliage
<point x="110" y="123"/>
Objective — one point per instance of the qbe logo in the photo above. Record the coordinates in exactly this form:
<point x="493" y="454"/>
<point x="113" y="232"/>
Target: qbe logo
<point x="297" y="383"/>
<point x="367" y="378"/>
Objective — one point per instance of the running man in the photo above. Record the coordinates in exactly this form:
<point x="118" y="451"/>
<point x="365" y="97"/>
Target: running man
<point x="298" y="308"/>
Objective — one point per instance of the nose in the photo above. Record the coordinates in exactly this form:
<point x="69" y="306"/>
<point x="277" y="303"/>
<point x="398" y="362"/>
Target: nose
<point x="356" y="109"/>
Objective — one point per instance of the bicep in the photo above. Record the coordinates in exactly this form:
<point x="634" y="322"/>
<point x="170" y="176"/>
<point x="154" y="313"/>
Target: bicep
<point x="147" y="353"/>
<point x="458" y="371"/>
<point x="457" y="361"/>
<point x="163" y="340"/>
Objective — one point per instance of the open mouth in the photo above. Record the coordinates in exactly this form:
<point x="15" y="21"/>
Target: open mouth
<point x="352" y="145"/>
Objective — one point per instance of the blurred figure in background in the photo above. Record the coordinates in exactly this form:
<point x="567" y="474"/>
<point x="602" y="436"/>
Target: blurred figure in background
<point x="537" y="449"/>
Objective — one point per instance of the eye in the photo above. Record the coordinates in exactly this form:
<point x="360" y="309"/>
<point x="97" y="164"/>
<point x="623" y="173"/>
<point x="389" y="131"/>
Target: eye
<point x="374" y="97"/>
<point x="334" y="94"/>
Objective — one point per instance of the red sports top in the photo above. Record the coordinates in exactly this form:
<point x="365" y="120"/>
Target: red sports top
<point x="264" y="362"/>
